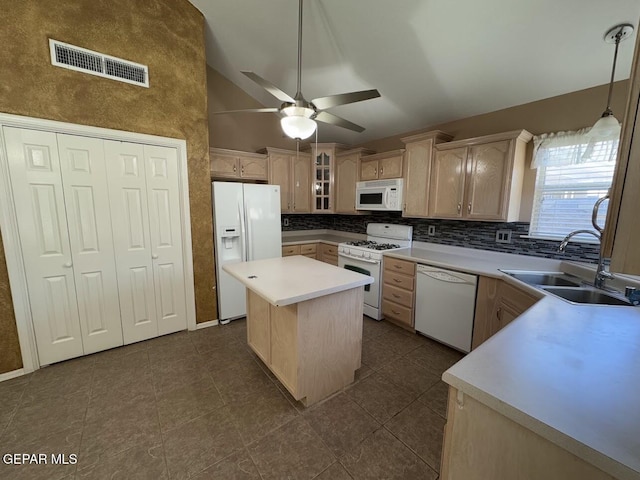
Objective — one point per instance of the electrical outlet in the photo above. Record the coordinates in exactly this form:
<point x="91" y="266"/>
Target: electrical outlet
<point x="503" y="236"/>
<point x="285" y="222"/>
<point x="431" y="230"/>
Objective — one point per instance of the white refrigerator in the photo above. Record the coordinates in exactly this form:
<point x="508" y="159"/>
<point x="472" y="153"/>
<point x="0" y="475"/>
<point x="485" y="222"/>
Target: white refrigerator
<point x="247" y="227"/>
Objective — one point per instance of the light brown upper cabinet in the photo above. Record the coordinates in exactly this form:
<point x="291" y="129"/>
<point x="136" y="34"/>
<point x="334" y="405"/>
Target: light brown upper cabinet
<point x="382" y="165"/>
<point x="346" y="176"/>
<point x="479" y="178"/>
<point x="418" y="157"/>
<point x="234" y="164"/>
<point x="622" y="229"/>
<point x="292" y="171"/>
<point x="323" y="174"/>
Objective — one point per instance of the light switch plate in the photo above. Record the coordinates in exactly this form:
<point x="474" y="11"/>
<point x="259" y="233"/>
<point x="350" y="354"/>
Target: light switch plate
<point x="503" y="236"/>
<point x="431" y="230"/>
<point x="285" y="222"/>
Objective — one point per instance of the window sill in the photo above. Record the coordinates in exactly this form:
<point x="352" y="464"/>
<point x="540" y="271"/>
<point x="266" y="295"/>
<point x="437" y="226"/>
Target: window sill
<point x="559" y="239"/>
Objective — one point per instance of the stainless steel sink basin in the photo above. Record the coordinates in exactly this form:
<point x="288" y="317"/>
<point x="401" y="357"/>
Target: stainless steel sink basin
<point x="559" y="279"/>
<point x="586" y="295"/>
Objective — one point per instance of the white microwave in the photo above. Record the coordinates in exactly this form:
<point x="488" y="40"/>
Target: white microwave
<point x="379" y="195"/>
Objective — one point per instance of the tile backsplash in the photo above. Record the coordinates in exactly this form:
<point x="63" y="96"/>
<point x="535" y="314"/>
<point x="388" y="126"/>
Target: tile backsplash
<point x="480" y="235"/>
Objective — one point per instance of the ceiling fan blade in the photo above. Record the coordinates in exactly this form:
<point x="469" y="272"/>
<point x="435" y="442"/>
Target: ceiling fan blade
<point x="326" y="117"/>
<point x="250" y="110"/>
<point x="270" y="87"/>
<point x="322" y="103"/>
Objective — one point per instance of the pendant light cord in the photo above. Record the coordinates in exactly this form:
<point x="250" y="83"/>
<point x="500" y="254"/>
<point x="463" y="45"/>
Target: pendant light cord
<point x="613" y="72"/>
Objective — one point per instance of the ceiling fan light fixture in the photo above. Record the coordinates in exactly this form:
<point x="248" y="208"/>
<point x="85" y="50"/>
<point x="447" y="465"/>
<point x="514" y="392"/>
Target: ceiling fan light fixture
<point x="297" y="122"/>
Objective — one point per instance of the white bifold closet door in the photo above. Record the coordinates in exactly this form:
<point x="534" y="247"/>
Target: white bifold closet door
<point x="59" y="188"/>
<point x="145" y="200"/>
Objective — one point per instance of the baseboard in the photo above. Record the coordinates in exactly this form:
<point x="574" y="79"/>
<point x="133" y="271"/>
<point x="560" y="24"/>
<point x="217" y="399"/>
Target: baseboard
<point x="210" y="323"/>
<point x="12" y="374"/>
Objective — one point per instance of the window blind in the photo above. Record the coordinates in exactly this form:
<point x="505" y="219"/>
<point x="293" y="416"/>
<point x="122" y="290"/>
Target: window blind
<point x="567" y="189"/>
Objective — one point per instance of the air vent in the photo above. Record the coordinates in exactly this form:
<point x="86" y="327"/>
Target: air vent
<point x="95" y="63"/>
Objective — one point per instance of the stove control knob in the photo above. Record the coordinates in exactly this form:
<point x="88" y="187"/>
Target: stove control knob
<point x="345" y="250"/>
<point x="367" y="255"/>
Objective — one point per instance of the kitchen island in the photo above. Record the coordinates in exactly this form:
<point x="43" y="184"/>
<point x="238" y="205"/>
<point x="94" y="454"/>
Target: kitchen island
<point x="304" y="321"/>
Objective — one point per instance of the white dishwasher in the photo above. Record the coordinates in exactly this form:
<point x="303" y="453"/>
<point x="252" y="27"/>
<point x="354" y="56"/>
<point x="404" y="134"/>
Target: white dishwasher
<point x="445" y="305"/>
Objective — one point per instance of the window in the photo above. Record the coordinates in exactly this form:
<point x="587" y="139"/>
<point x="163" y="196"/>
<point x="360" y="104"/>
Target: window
<point x="573" y="172"/>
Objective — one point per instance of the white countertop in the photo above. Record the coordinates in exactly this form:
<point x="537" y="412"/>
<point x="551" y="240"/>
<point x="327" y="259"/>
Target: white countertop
<point x="288" y="280"/>
<point x="313" y="236"/>
<point x="478" y="262"/>
<point x="570" y="373"/>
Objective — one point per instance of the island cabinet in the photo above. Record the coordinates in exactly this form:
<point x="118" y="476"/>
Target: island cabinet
<point x="381" y="166"/>
<point x="418" y="157"/>
<point x="479" y="178"/>
<point x="346" y="175"/>
<point x="398" y="291"/>
<point x="622" y="233"/>
<point x="292" y="171"/>
<point x="498" y="303"/>
<point x="304" y="321"/>
<point x="237" y="165"/>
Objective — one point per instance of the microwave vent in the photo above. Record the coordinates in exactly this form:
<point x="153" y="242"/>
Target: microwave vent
<point x="95" y="63"/>
<point x="380" y="183"/>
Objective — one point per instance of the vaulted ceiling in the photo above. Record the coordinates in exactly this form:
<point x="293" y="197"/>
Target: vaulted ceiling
<point x="432" y="60"/>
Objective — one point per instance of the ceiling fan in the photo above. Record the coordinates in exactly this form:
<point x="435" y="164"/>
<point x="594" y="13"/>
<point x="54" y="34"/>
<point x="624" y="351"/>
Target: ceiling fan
<point x="298" y="115"/>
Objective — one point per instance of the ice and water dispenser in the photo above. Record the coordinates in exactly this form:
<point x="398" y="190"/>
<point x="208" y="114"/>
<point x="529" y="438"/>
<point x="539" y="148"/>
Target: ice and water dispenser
<point x="231" y="240"/>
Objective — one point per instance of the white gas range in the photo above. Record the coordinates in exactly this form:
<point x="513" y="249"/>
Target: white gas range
<point x="365" y="256"/>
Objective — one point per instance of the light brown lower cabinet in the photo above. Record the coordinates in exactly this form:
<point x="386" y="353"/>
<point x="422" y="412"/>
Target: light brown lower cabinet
<point x="290" y="250"/>
<point x="309" y="250"/>
<point x="498" y="303"/>
<point x="328" y="254"/>
<point x="481" y="444"/>
<point x="398" y="287"/>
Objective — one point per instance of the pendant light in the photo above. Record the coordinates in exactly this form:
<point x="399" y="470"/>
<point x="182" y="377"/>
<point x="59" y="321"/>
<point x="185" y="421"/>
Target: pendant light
<point x="607" y="125"/>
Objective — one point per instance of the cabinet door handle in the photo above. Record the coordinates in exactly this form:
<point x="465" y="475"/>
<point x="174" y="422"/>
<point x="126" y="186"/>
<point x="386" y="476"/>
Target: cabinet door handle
<point x="381" y="170"/>
<point x="396" y="313"/>
<point x="68" y="265"/>
<point x="375" y="171"/>
<point x="469" y="208"/>
<point x="499" y="313"/>
<point x="397" y="281"/>
<point x="398" y="266"/>
<point x="242" y="171"/>
<point x="235" y="169"/>
<point x="459" y="207"/>
<point x="395" y="295"/>
<point x="154" y="256"/>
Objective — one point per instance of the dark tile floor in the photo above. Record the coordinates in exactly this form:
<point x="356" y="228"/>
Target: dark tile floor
<point x="202" y="405"/>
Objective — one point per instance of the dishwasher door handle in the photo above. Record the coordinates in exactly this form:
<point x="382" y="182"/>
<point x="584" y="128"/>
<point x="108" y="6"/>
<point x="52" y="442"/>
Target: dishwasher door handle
<point x="444" y="277"/>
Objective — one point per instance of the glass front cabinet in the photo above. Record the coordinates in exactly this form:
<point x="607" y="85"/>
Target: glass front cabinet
<point x="323" y="156"/>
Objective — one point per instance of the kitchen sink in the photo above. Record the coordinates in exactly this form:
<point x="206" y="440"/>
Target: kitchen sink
<point x="586" y="295"/>
<point x="559" y="279"/>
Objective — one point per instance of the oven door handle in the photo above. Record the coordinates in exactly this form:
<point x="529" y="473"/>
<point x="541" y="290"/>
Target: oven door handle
<point x="358" y="258"/>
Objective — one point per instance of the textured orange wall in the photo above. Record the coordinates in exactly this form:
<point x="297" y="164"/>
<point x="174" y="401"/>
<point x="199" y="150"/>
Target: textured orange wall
<point x="166" y="35"/>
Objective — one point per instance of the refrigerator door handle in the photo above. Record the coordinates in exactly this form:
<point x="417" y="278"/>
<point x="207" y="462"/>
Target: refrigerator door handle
<point x="248" y="236"/>
<point x="242" y="239"/>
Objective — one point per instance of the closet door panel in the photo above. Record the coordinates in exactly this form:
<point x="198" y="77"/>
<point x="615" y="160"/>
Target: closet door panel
<point x="161" y="167"/>
<point x="82" y="162"/>
<point x="132" y="240"/>
<point x="34" y="166"/>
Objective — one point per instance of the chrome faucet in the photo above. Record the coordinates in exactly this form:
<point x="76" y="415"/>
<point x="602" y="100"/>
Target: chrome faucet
<point x="601" y="273"/>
